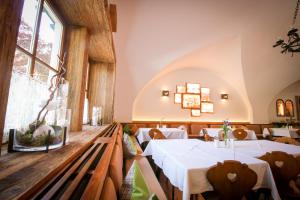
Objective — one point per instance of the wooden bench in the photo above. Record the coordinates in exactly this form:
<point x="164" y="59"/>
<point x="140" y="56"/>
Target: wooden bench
<point x="84" y="174"/>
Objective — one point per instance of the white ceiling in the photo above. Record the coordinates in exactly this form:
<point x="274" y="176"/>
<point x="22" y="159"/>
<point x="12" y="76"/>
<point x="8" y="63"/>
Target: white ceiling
<point x="153" y="35"/>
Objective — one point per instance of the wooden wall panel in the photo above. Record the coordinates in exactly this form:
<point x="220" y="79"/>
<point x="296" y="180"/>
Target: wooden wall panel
<point x="101" y="89"/>
<point x="9" y="25"/>
<point x="77" y="61"/>
<point x="91" y="14"/>
<point x="113" y="17"/>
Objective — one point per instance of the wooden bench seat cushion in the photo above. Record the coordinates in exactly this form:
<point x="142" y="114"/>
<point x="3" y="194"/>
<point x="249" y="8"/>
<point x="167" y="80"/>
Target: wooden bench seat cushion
<point x="116" y="167"/>
<point x="130" y="146"/>
<point x="108" y="190"/>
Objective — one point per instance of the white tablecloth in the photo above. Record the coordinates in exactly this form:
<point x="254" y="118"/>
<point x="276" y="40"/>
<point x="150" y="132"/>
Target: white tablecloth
<point x="185" y="163"/>
<point x="257" y="148"/>
<point x="282" y="132"/>
<point x="214" y="132"/>
<point x="170" y="133"/>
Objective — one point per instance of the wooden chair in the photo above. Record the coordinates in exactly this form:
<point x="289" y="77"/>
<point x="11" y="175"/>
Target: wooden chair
<point x="196" y="128"/>
<point x="286" y="172"/>
<point x="287" y="140"/>
<point x="257" y="129"/>
<point x="221" y="135"/>
<point x="270" y="136"/>
<point x="240" y="134"/>
<point x="240" y="127"/>
<point x="298" y="132"/>
<point x="208" y="137"/>
<point x="231" y="179"/>
<point x="135" y="127"/>
<point x="156" y="134"/>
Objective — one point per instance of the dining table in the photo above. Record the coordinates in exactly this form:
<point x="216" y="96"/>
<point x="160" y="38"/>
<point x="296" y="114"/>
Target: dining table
<point x="142" y="134"/>
<point x="281" y="132"/>
<point x="185" y="162"/>
<point x="214" y="132"/>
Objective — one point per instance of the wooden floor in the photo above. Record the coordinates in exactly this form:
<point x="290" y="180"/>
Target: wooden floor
<point x="20" y="171"/>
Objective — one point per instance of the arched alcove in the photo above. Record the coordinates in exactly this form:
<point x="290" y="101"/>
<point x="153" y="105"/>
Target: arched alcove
<point x="150" y="105"/>
<point x="289" y="93"/>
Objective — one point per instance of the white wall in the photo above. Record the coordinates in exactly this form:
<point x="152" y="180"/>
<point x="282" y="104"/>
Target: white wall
<point x="154" y="36"/>
<point x="288" y="93"/>
<point x="150" y="105"/>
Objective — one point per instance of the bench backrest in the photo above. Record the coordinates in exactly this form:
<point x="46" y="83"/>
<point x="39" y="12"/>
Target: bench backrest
<point x="84" y="176"/>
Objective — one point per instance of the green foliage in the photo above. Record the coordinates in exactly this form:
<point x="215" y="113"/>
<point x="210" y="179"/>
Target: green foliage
<point x="127" y="129"/>
<point x="27" y="139"/>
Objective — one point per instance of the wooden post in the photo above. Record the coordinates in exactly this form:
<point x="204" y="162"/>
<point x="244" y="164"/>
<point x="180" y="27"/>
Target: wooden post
<point x="101" y="89"/>
<point x="10" y="17"/>
<point x="77" y="61"/>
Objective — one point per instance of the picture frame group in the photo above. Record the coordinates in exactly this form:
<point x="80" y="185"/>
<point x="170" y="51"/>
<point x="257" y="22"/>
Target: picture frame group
<point x="194" y="97"/>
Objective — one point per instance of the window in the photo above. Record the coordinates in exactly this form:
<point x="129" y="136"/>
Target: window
<point x="86" y="100"/>
<point x="39" y="44"/>
<point x="39" y="40"/>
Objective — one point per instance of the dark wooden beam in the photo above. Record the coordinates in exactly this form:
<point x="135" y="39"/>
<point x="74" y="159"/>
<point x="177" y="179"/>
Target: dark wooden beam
<point x="10" y="17"/>
<point x="113" y="17"/>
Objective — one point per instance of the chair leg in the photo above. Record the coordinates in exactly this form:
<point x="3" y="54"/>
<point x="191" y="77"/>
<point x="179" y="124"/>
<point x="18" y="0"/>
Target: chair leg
<point x="265" y="191"/>
<point x="173" y="192"/>
<point x="251" y="195"/>
<point x="157" y="172"/>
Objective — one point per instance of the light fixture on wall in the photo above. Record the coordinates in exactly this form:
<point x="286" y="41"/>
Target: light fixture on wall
<point x="293" y="43"/>
<point x="165" y="93"/>
<point x="224" y="96"/>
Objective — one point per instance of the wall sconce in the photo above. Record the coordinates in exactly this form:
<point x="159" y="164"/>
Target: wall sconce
<point x="224" y="96"/>
<point x="165" y="93"/>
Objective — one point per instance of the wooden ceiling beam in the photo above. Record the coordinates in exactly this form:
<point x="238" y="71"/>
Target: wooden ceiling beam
<point x="92" y="15"/>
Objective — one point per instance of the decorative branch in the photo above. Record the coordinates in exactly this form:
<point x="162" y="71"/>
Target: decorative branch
<point x="55" y="83"/>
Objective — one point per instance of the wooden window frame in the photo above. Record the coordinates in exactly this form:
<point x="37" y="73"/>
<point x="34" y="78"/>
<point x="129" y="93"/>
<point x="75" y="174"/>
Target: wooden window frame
<point x="35" y="36"/>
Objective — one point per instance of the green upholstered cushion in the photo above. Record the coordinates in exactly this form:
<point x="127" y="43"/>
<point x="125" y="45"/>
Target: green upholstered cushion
<point x="140" y="190"/>
<point x="129" y="147"/>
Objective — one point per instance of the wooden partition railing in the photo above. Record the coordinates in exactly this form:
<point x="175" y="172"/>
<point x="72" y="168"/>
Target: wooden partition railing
<point x="82" y="176"/>
<point x="195" y="127"/>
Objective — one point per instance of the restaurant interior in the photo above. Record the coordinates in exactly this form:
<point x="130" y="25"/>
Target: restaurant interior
<point x="144" y="99"/>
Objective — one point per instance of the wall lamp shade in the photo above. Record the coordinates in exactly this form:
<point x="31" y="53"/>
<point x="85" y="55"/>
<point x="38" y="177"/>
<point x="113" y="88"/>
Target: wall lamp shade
<point x="224" y="96"/>
<point x="165" y="93"/>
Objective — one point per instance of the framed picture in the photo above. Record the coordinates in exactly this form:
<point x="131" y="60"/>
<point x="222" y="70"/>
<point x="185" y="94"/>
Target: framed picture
<point x="289" y="108"/>
<point x="180" y="89"/>
<point x="207" y="107"/>
<point x="205" y="94"/>
<point x="280" y="108"/>
<point x="195" y="112"/>
<point x="177" y="98"/>
<point x="190" y="101"/>
<point x="193" y="88"/>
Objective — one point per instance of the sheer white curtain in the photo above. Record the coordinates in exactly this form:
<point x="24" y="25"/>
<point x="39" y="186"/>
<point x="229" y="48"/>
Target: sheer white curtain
<point x="86" y="111"/>
<point x="25" y="97"/>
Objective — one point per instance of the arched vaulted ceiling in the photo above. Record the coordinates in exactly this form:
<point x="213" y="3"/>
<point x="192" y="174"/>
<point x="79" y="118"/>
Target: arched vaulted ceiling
<point x="154" y="36"/>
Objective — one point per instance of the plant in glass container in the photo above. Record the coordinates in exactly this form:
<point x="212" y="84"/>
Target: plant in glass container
<point x="47" y="131"/>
